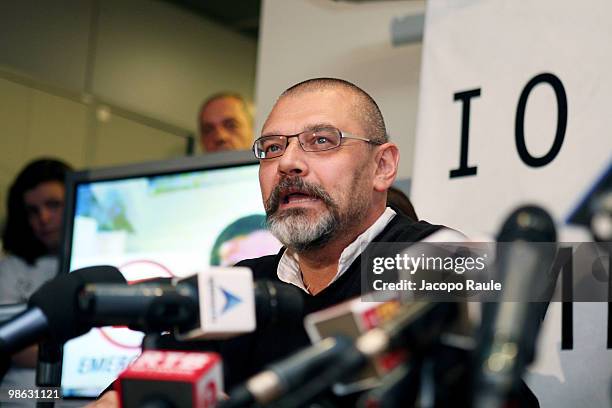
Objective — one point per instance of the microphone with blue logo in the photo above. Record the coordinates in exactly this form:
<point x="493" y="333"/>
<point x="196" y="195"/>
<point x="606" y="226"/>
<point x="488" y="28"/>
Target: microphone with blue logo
<point x="214" y="304"/>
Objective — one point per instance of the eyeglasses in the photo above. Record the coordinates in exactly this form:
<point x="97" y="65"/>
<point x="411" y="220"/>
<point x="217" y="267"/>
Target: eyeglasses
<point x="317" y="140"/>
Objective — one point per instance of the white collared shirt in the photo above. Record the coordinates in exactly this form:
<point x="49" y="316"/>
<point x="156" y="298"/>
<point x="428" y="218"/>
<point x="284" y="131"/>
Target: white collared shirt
<point x="288" y="269"/>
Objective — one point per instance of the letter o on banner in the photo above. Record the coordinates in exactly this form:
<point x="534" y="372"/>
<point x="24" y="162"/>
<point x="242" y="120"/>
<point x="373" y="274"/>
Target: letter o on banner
<point x="519" y="126"/>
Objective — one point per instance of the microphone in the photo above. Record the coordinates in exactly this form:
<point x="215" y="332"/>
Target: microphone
<point x="147" y="307"/>
<point x="216" y="303"/>
<point x="352" y="319"/>
<point x="171" y="379"/>
<point x="526" y="251"/>
<point x="306" y="374"/>
<point x="289" y="374"/>
<point x="52" y="311"/>
<point x="231" y="304"/>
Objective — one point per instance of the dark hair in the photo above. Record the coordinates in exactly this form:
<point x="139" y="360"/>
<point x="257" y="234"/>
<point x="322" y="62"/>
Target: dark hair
<point x="400" y="202"/>
<point x="366" y="108"/>
<point x="17" y="236"/>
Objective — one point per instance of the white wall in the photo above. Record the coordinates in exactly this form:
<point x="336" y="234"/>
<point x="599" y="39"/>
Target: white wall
<point x="301" y="39"/>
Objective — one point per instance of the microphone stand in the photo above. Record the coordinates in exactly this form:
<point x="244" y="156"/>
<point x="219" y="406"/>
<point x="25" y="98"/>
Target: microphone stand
<point x="48" y="369"/>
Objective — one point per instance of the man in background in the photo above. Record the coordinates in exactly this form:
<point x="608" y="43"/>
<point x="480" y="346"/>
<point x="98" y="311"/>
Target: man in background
<point x="225" y="123"/>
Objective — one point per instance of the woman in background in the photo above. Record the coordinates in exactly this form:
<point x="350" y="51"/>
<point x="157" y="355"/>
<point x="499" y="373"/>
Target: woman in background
<point x="31" y="243"/>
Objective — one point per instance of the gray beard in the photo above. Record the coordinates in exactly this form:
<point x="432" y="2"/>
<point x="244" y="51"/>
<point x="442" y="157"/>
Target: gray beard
<point x="295" y="230"/>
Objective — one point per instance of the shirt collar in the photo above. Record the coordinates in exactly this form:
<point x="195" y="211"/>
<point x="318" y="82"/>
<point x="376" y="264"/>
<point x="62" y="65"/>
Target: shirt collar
<point x="288" y="269"/>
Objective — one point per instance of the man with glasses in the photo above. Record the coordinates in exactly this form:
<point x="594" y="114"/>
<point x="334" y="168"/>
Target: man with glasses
<point x="325" y="167"/>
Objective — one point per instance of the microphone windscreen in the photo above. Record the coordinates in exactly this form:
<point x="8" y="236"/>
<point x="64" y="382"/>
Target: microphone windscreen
<point x="528" y="223"/>
<point x="57" y="299"/>
<point x="99" y="274"/>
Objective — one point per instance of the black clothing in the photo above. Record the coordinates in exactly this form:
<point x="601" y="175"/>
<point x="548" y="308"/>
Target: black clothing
<point x="247" y="355"/>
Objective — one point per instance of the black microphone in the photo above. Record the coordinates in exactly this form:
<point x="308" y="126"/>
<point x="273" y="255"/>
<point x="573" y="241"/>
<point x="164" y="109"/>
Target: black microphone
<point x="290" y="373"/>
<point x="147" y="307"/>
<point x="526" y="251"/>
<point x="52" y="311"/>
<point x="277" y="302"/>
<point x="151" y="307"/>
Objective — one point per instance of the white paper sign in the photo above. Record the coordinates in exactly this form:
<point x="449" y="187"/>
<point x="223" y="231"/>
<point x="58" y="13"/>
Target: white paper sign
<point x="515" y="108"/>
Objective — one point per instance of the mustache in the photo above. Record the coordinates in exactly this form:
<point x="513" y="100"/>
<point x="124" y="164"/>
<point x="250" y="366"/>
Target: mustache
<point x="296" y="183"/>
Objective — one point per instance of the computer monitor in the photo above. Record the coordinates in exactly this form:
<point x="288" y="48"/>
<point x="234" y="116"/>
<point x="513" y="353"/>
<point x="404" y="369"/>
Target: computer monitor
<point x="159" y="219"/>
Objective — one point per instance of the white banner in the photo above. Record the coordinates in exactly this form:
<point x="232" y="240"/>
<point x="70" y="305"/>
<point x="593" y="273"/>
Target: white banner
<point x="515" y="108"/>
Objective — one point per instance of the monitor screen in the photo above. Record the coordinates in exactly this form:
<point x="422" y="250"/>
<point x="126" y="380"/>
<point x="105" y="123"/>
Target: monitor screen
<point x="160" y="221"/>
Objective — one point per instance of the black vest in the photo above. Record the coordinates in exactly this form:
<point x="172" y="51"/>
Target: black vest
<point x="249" y="354"/>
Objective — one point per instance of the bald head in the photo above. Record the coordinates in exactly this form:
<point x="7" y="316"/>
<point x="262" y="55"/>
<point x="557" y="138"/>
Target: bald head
<point x="364" y="108"/>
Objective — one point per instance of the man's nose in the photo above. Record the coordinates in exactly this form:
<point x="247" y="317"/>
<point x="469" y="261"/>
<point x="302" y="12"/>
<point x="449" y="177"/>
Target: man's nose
<point x="293" y="162"/>
<point x="221" y="134"/>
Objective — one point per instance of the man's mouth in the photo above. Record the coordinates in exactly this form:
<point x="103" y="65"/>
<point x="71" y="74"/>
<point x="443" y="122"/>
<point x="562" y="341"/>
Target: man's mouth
<point x="296" y="197"/>
<point x="296" y="193"/>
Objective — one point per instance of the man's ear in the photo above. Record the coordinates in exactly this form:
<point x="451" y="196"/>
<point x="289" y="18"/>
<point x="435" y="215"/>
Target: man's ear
<point x="387" y="159"/>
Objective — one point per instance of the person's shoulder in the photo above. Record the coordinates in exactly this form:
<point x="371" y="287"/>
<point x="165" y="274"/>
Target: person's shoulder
<point x="263" y="267"/>
<point x="402" y="228"/>
<point x="45" y="266"/>
<point x="12" y="262"/>
<point x="257" y="262"/>
<point x="12" y="269"/>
